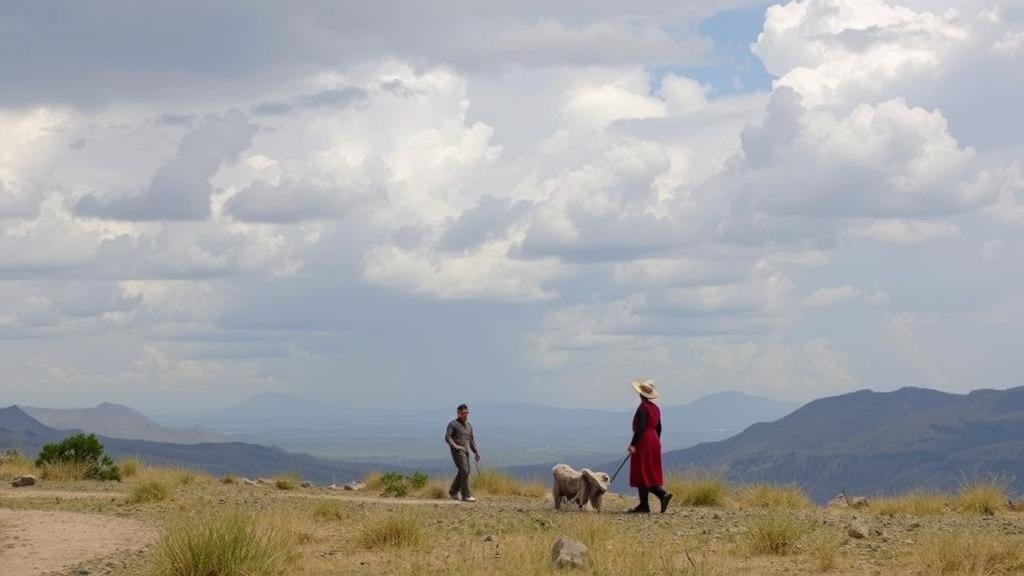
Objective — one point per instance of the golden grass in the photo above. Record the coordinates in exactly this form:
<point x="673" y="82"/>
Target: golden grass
<point x="969" y="554"/>
<point x="402" y="529"/>
<point x="775" y="534"/>
<point x="16" y="465"/>
<point x="129" y="467"/>
<point x="227" y="544"/>
<point x="228" y="479"/>
<point x="981" y="496"/>
<point x="434" y="490"/>
<point x="496" y="483"/>
<point x="66" y="471"/>
<point x="913" y="503"/>
<point x="697" y="488"/>
<point x="149" y="491"/>
<point x="288" y="481"/>
<point x="773" y="497"/>
<point x="374" y="481"/>
<point x="332" y="510"/>
<point x="824" y="550"/>
<point x="174" y="475"/>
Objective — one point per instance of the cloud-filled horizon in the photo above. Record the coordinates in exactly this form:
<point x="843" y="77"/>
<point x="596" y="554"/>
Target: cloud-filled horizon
<point x="415" y="203"/>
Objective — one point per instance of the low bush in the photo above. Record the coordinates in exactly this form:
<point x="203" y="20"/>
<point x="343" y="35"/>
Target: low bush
<point x="981" y="496"/>
<point x="823" y="547"/>
<point x="332" y="510"/>
<point x="129" y="467"/>
<point x="14" y="464"/>
<point x="288" y="481"/>
<point x="373" y="481"/>
<point x="80" y="450"/>
<point x="494" y="482"/>
<point x="435" y="490"/>
<point x="970" y="554"/>
<point x="773" y="496"/>
<point x="66" y="471"/>
<point x="418" y="480"/>
<point x="395" y="485"/>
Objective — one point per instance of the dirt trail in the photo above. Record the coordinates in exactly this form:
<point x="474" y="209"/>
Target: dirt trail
<point x="35" y="542"/>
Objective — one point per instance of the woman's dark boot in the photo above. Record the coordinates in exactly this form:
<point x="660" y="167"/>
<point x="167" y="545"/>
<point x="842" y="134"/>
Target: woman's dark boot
<point x="663" y="497"/>
<point x="643" y="507"/>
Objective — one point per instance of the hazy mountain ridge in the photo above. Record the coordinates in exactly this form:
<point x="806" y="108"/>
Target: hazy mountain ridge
<point x="21" y="431"/>
<point x="117" y="421"/>
<point x="868" y="442"/>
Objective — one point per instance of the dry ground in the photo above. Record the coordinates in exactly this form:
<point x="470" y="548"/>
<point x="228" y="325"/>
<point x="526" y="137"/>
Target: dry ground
<point x="62" y="528"/>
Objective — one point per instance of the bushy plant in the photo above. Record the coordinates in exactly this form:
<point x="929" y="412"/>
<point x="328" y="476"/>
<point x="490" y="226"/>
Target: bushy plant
<point x="149" y="491"/>
<point x="775" y="534"/>
<point x="395" y="484"/>
<point x="418" y="480"/>
<point x="84" y="449"/>
<point x="698" y="488"/>
<point x="398" y="530"/>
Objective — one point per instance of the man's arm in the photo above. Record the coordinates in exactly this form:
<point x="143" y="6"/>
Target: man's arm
<point x="448" y="437"/>
<point x="472" y="441"/>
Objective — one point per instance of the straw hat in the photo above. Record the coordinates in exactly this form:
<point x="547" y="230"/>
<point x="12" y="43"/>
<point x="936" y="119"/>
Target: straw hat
<point x="645" y="388"/>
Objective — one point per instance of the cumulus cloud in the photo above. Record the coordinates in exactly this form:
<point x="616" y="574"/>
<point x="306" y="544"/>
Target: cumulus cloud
<point x="180" y="190"/>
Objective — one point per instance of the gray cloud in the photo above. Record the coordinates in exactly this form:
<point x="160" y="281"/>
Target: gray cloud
<point x="180" y="190"/>
<point x="291" y="201"/>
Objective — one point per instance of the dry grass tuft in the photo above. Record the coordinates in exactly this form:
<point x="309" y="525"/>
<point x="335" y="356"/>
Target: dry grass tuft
<point x="228" y="479"/>
<point x="434" y="490"/>
<point x="149" y="491"/>
<point x="227" y="544"/>
<point x="970" y="554"/>
<point x="698" y="488"/>
<point x="775" y="534"/>
<point x="289" y="481"/>
<point x="374" y="481"/>
<point x="66" y="471"/>
<point x="497" y="483"/>
<point x="174" y="476"/>
<point x="395" y="530"/>
<point x="129" y="467"/>
<point x="332" y="510"/>
<point x="913" y="503"/>
<point x="981" y="496"/>
<point x="824" y="549"/>
<point x="14" y="465"/>
<point x="773" y="497"/>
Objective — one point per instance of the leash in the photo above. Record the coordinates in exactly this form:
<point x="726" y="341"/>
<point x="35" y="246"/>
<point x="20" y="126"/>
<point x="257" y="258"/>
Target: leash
<point x="612" y="481"/>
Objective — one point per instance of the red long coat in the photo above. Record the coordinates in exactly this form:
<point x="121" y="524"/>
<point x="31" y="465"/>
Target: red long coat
<point x="645" y="464"/>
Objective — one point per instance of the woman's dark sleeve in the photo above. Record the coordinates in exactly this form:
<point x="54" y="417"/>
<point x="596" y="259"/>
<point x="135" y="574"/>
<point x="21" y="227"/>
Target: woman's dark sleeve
<point x="658" y="428"/>
<point x="639" y="423"/>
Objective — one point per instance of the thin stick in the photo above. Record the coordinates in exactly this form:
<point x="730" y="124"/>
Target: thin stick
<point x="619" y="468"/>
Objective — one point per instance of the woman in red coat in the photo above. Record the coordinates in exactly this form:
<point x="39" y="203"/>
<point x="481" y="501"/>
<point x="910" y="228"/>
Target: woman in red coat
<point x="645" y="463"/>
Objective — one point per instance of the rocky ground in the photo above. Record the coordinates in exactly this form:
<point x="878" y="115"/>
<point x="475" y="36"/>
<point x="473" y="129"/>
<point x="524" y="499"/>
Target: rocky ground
<point x="96" y="529"/>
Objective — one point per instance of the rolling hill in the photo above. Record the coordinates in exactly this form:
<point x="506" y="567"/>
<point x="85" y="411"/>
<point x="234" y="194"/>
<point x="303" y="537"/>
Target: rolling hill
<point x="869" y="442"/>
<point x="21" y="431"/>
<point x="117" y="421"/>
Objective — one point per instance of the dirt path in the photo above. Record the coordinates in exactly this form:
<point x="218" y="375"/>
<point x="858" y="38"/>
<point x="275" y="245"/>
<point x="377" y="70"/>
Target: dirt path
<point x="34" y="542"/>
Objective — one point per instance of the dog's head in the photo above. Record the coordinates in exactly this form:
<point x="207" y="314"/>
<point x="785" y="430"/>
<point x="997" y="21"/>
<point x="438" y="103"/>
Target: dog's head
<point x="598" y="481"/>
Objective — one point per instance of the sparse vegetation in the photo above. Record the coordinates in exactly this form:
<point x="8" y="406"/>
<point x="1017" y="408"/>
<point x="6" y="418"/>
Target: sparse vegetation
<point x="230" y="544"/>
<point x="228" y="479"/>
<point x="824" y="548"/>
<point x="331" y="510"/>
<point x="913" y="503"/>
<point x="981" y="496"/>
<point x="129" y="467"/>
<point x="970" y="554"/>
<point x="435" y="490"/>
<point x="395" y="530"/>
<point x="374" y="481"/>
<point x="497" y="483"/>
<point x="697" y="488"/>
<point x="14" y="464"/>
<point x="289" y="481"/>
<point x="773" y="496"/>
<point x="148" y="491"/>
<point x="394" y="485"/>
<point x="418" y="480"/>
<point x="775" y="534"/>
<point x="77" y="457"/>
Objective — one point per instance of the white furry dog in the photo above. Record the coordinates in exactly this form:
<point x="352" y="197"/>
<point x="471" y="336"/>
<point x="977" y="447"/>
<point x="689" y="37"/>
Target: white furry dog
<point x="580" y="486"/>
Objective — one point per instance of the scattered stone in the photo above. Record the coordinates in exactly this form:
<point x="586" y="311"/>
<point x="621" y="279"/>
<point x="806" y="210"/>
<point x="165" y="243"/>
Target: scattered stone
<point x="488" y="538"/>
<point x="83" y="572"/>
<point x="354" y="486"/>
<point x="305" y="484"/>
<point x="841" y="500"/>
<point x="568" y="553"/>
<point x="25" y="480"/>
<point x="249" y="482"/>
<point x="857" y="530"/>
<point x="260" y="480"/>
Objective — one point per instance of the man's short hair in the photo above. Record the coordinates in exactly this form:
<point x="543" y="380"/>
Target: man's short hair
<point x="462" y="407"/>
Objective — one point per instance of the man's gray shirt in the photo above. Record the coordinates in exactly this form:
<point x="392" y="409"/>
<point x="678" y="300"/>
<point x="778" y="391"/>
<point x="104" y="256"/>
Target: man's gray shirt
<point x="459" y="436"/>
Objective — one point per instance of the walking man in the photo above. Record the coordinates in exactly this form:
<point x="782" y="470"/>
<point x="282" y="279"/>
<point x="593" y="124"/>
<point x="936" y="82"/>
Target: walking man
<point x="459" y="437"/>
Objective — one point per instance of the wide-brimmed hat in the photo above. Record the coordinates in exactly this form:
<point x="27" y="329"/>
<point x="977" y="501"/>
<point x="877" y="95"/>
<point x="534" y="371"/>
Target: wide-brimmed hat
<point x="645" y="388"/>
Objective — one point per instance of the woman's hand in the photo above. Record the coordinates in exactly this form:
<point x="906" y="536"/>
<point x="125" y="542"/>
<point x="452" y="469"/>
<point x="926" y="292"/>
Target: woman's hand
<point x="631" y="449"/>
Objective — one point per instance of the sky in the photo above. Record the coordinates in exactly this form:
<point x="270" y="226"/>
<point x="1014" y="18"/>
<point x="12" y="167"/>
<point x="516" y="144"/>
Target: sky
<point x="408" y="204"/>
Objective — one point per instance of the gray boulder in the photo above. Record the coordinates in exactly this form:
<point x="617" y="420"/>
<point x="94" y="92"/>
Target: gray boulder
<point x="568" y="553"/>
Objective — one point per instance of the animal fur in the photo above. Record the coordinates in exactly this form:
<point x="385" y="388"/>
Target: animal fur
<point x="583" y="486"/>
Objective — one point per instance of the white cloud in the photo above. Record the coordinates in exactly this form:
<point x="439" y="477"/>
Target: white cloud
<point x="905" y="232"/>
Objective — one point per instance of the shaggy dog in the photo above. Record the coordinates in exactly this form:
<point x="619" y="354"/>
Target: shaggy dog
<point x="580" y="486"/>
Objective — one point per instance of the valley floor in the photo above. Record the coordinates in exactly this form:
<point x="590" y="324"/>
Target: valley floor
<point x="109" y="529"/>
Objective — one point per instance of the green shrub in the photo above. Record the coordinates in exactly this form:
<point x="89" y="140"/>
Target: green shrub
<point x="84" y="449"/>
<point x="288" y="481"/>
<point x="394" y="484"/>
<point x="418" y="480"/>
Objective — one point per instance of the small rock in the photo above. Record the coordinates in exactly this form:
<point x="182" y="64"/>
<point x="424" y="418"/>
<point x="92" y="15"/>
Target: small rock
<point x="354" y="486"/>
<point x="305" y="484"/>
<point x="249" y="482"/>
<point x="488" y="538"/>
<point x="25" y="480"/>
<point x="83" y="572"/>
<point x="568" y="553"/>
<point x="857" y="530"/>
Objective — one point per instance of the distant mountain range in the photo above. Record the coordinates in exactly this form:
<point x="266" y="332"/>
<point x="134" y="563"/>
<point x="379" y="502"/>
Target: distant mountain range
<point x="117" y="421"/>
<point x="19" y="430"/>
<point x="877" y="442"/>
<point x="508" y="434"/>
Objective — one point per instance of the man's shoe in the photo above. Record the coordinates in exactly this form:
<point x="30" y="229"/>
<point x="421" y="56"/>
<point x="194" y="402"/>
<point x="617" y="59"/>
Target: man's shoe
<point x="469" y="499"/>
<point x="453" y="496"/>
<point x="665" y="501"/>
